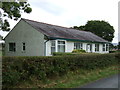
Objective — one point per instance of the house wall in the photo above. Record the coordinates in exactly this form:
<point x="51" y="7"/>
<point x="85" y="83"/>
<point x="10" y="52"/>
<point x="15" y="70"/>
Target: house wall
<point x="48" y="48"/>
<point x="69" y="47"/>
<point x="33" y="39"/>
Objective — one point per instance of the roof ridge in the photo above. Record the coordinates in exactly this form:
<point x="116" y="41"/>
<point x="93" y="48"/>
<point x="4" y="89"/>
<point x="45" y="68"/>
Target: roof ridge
<point x="44" y="23"/>
<point x="53" y="25"/>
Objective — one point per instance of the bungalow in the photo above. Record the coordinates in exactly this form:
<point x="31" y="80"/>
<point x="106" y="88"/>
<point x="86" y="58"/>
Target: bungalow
<point x="32" y="38"/>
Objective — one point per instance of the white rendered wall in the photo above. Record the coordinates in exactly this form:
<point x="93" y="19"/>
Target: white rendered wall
<point x="69" y="47"/>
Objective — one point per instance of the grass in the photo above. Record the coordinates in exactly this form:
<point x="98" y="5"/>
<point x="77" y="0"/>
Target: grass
<point x="70" y="80"/>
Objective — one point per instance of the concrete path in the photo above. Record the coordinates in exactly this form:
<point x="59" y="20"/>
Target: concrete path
<point x="110" y="82"/>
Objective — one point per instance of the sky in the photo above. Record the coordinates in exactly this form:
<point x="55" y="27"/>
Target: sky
<point x="69" y="13"/>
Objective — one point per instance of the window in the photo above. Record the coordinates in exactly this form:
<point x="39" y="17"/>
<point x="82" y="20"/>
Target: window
<point x="104" y="47"/>
<point x="96" y="47"/>
<point x="12" y="47"/>
<point x="61" y="46"/>
<point x="107" y="47"/>
<point x="52" y="46"/>
<point x="23" y="48"/>
<point x="89" y="47"/>
<point x="78" y="45"/>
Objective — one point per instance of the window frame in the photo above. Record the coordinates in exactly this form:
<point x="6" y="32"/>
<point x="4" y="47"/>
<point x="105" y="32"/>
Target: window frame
<point x="14" y="47"/>
<point x="107" y="47"/>
<point x="23" y="46"/>
<point x="60" y="44"/>
<point x="53" y="46"/>
<point x="97" y="47"/>
<point x="80" y="45"/>
<point x="90" y="47"/>
<point x="104" y="47"/>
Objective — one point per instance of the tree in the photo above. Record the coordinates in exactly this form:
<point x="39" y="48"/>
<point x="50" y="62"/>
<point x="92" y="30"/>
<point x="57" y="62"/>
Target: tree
<point x="1" y="37"/>
<point x="13" y="11"/>
<point x="118" y="45"/>
<point x="100" y="28"/>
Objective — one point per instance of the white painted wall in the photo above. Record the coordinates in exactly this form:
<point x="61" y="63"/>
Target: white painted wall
<point x="69" y="47"/>
<point x="48" y="48"/>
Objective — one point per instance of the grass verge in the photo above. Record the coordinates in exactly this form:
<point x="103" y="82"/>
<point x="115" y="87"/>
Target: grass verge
<point x="70" y="80"/>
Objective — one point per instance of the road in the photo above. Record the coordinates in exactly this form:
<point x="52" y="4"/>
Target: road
<point x="109" y="82"/>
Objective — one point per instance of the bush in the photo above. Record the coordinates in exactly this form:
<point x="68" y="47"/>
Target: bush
<point x="78" y="51"/>
<point x="62" y="54"/>
<point x="112" y="51"/>
<point x="17" y="69"/>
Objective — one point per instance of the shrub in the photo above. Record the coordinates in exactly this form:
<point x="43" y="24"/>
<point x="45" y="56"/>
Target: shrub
<point x="61" y="54"/>
<point x="17" y="69"/>
<point x="78" y="51"/>
<point x="112" y="51"/>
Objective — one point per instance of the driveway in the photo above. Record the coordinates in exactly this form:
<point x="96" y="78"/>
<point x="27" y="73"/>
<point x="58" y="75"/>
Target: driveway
<point x="109" y="82"/>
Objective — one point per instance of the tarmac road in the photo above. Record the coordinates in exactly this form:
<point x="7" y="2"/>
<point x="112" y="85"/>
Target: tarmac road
<point x="109" y="82"/>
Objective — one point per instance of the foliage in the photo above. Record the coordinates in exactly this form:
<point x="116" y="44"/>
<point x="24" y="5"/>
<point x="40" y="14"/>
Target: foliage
<point x="12" y="10"/>
<point x="100" y="28"/>
<point x="119" y="45"/>
<point x="112" y="51"/>
<point x="62" y="54"/>
<point x="16" y="69"/>
<point x="78" y="51"/>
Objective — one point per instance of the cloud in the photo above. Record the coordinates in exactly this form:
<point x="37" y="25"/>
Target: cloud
<point x="70" y="13"/>
<point x="48" y="7"/>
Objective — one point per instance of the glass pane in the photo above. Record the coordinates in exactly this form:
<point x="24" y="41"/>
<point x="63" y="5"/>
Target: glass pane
<point x="78" y="45"/>
<point x="12" y="47"/>
<point x="103" y="47"/>
<point x="90" y="47"/>
<point x="61" y="42"/>
<point x="52" y="43"/>
<point x="61" y="48"/>
<point x="107" y="47"/>
<point x="52" y="49"/>
<point x="97" y="47"/>
<point x="23" y="46"/>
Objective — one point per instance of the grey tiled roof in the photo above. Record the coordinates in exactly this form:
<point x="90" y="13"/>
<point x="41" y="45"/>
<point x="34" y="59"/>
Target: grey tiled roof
<point x="63" y="32"/>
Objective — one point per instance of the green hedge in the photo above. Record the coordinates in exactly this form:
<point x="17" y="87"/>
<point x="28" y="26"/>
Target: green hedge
<point x="17" y="69"/>
<point x="63" y="54"/>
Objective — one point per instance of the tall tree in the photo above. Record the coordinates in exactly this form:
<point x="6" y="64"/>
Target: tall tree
<point x="13" y="11"/>
<point x="100" y="28"/>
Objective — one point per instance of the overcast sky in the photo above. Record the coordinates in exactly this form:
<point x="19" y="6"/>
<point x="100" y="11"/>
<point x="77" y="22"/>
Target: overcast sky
<point x="71" y="13"/>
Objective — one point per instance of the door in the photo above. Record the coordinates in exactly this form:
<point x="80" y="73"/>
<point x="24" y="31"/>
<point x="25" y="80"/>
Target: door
<point x="89" y="48"/>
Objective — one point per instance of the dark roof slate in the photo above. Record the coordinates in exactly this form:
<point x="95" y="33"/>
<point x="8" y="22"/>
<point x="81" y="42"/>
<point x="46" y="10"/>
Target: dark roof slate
<point x="63" y="32"/>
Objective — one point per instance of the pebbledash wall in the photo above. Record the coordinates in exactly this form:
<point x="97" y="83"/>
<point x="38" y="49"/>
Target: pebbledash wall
<point x="69" y="47"/>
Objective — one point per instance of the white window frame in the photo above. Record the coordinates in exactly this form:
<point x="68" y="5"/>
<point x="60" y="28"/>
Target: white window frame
<point x="79" y="44"/>
<point x="107" y="47"/>
<point x="61" y="45"/>
<point x="97" y="47"/>
<point x="90" y="47"/>
<point x="53" y="46"/>
<point x="104" y="47"/>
